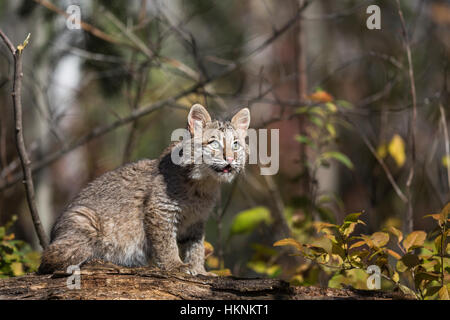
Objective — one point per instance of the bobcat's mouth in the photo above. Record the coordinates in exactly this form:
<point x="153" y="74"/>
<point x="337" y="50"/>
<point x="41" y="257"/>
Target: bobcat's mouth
<point x="227" y="169"/>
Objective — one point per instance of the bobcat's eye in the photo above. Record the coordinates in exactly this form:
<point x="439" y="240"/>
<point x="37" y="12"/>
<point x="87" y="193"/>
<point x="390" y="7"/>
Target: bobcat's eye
<point x="236" y="145"/>
<point x="214" y="144"/>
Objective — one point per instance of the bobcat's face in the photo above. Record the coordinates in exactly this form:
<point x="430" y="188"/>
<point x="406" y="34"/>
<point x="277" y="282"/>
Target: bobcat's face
<point x="223" y="147"/>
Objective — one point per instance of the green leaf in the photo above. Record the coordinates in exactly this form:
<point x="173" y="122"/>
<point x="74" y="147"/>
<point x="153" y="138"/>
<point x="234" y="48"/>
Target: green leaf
<point x="400" y="266"/>
<point x="316" y="249"/>
<point x="337" y="248"/>
<point x="344" y="104"/>
<point x="316" y="120"/>
<point x="352" y="217"/>
<point x="301" y="110"/>
<point x="438" y="243"/>
<point x="258" y="266"/>
<point x="246" y="221"/>
<point x="342" y="158"/>
<point x="305" y="140"/>
<point x="431" y="291"/>
<point x="331" y="107"/>
<point x="331" y="130"/>
<point x="425" y="276"/>
<point x="348" y="228"/>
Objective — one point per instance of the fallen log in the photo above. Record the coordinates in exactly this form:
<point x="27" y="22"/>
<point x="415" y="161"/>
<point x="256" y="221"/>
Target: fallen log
<point x="100" y="281"/>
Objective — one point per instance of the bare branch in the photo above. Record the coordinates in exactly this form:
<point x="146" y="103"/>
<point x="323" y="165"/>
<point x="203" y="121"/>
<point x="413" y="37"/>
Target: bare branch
<point x="20" y="144"/>
<point x="388" y="173"/>
<point x="149" y="108"/>
<point x="409" y="223"/>
<point x="446" y="139"/>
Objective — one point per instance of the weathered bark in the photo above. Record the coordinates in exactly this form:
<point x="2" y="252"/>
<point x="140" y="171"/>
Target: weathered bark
<point x="105" y="281"/>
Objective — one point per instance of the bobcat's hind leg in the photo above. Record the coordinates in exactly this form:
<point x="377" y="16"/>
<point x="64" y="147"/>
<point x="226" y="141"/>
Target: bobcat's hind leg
<point x="73" y="238"/>
<point x="64" y="253"/>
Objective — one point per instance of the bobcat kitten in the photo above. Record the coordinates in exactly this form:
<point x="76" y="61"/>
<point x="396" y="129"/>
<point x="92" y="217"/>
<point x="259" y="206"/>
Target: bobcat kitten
<point x="152" y="210"/>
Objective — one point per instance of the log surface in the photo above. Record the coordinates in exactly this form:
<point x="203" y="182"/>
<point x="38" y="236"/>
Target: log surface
<point x="101" y="281"/>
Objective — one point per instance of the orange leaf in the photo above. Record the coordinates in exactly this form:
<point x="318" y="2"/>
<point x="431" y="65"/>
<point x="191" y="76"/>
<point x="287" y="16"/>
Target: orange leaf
<point x="289" y="242"/>
<point x="414" y="239"/>
<point x="321" y="96"/>
<point x="393" y="253"/>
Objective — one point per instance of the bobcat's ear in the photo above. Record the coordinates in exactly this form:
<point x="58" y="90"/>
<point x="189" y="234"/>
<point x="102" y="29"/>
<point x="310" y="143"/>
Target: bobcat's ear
<point x="198" y="116"/>
<point x="241" y="120"/>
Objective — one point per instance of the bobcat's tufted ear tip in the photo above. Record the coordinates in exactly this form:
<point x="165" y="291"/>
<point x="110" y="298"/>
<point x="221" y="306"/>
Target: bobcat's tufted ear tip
<point x="197" y="114"/>
<point x="241" y="120"/>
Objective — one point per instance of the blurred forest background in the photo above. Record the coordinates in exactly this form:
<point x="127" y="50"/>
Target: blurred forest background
<point x="353" y="135"/>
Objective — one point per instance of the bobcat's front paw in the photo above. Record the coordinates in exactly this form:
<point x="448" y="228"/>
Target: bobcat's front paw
<point x="179" y="267"/>
<point x="202" y="271"/>
<point x="209" y="274"/>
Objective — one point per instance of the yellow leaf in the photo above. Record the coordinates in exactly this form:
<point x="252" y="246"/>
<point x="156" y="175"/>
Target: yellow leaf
<point x="212" y="262"/>
<point x="443" y="293"/>
<point x="324" y="227"/>
<point x="396" y="232"/>
<point x="380" y="238"/>
<point x="222" y="272"/>
<point x="331" y="107"/>
<point x="396" y="149"/>
<point x="415" y="238"/>
<point x="209" y="249"/>
<point x="396" y="276"/>
<point x="22" y="46"/>
<point x="17" y="268"/>
<point x="382" y="151"/>
<point x="445" y="212"/>
<point x="446" y="161"/>
<point x="9" y="237"/>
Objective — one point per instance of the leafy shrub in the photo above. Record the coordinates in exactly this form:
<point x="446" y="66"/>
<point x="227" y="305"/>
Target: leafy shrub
<point x="16" y="256"/>
<point x="421" y="260"/>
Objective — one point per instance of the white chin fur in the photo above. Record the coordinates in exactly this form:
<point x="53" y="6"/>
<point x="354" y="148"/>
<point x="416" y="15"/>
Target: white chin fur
<point x="225" y="176"/>
<point x="204" y="172"/>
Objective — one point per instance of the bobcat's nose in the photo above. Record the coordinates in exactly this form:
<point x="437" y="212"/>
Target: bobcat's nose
<point x="230" y="159"/>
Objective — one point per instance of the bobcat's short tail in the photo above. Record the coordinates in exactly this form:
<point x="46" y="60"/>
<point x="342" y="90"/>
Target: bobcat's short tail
<point x="62" y="254"/>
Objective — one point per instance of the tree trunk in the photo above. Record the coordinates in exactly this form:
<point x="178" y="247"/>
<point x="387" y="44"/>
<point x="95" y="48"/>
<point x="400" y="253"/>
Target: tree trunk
<point x="106" y="281"/>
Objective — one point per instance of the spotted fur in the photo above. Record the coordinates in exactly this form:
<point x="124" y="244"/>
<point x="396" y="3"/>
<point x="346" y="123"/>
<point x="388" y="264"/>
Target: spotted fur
<point x="151" y="211"/>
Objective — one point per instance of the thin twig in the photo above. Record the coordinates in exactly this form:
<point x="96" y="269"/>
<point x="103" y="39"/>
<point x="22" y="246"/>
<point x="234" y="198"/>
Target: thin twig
<point x="409" y="221"/>
<point x="85" y="26"/>
<point x="20" y="144"/>
<point x="149" y="108"/>
<point x="371" y="148"/>
<point x="447" y="142"/>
